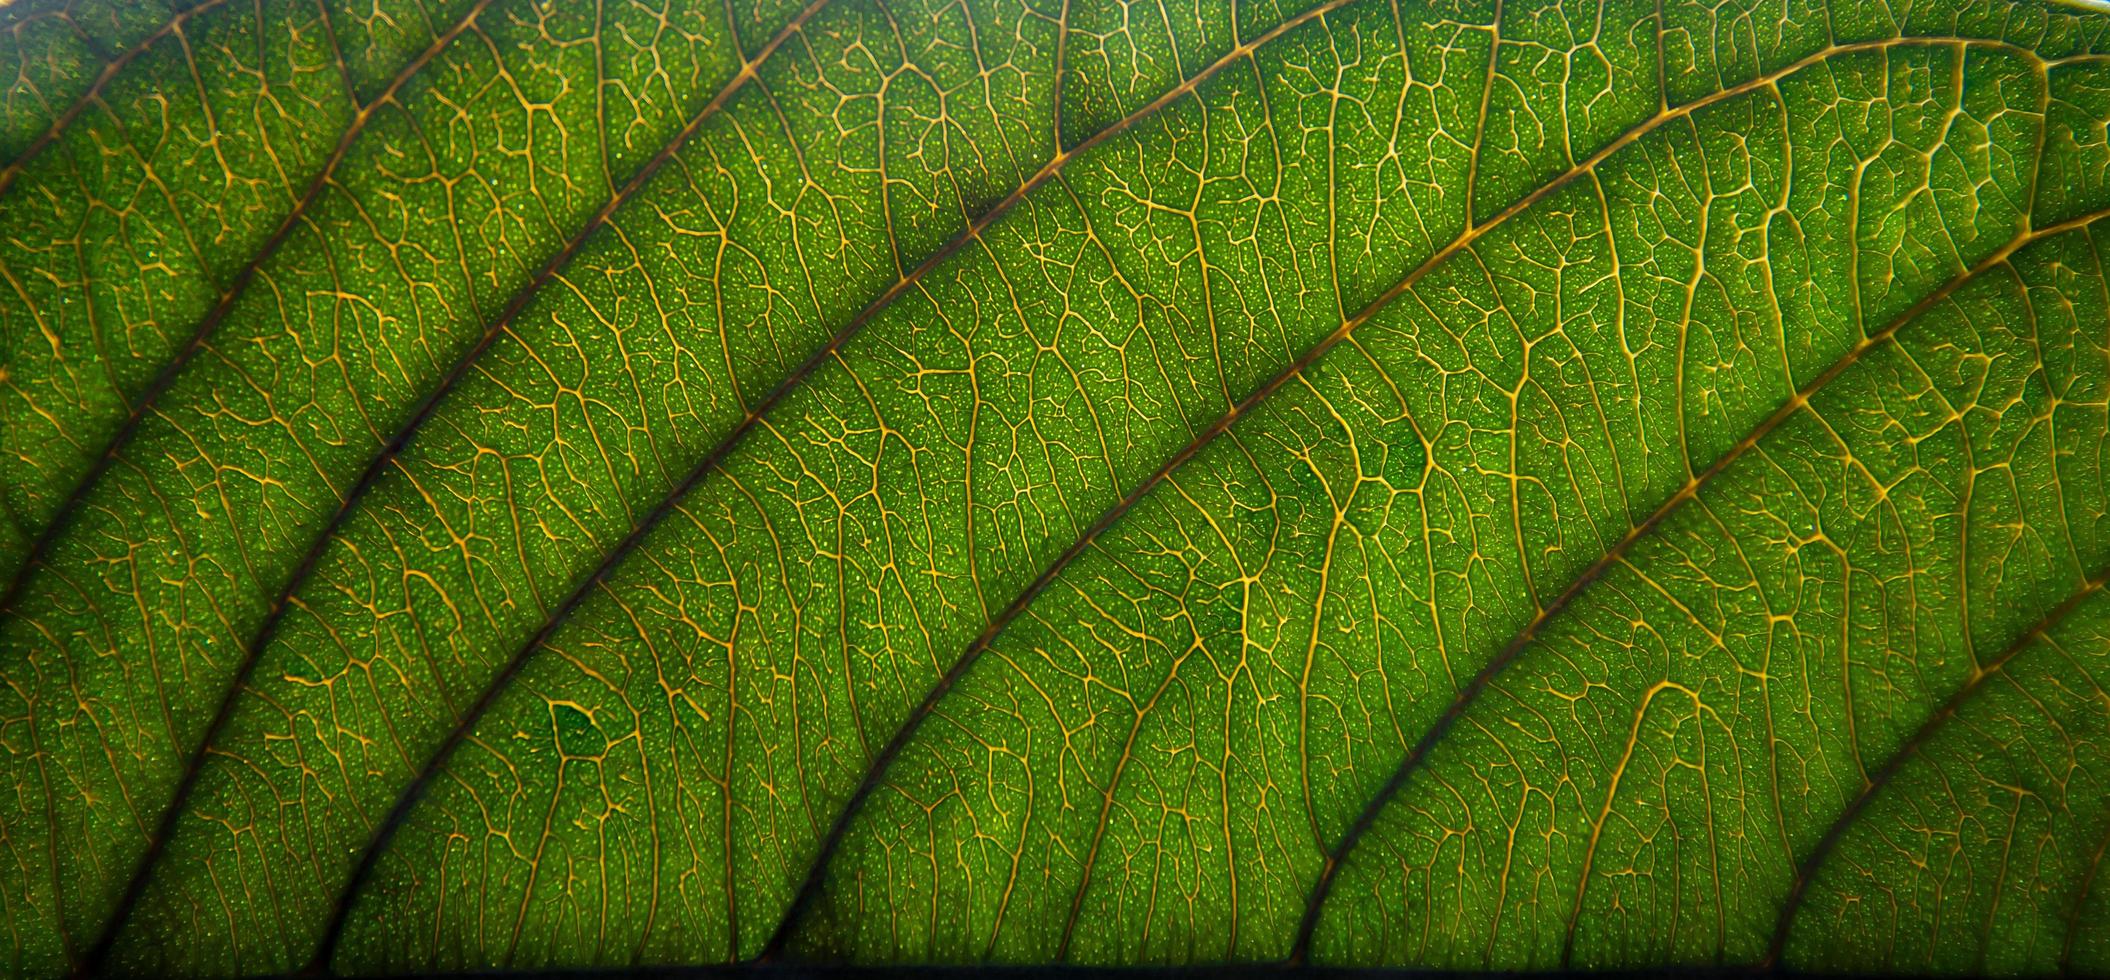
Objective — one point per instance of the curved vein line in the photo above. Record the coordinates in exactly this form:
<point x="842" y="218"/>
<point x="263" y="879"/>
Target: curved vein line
<point x="1691" y="489"/>
<point x="94" y="94"/>
<point x="1106" y="807"/>
<point x="164" y="380"/>
<point x="1882" y="776"/>
<point x="62" y="518"/>
<point x="1611" y="797"/>
<point x="710" y="463"/>
<point x="196" y="765"/>
<point x="747" y="71"/>
<point x="808" y="891"/>
<point x="2080" y="901"/>
<point x="1463" y="241"/>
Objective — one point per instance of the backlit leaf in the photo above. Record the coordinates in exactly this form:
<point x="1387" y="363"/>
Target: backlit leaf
<point x="1477" y="484"/>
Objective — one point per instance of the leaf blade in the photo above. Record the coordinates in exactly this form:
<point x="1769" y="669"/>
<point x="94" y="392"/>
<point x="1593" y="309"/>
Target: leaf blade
<point x="925" y="322"/>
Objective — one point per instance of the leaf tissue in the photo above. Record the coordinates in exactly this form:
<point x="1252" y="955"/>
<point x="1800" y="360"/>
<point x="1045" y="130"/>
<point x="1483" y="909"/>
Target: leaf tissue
<point x="1467" y="484"/>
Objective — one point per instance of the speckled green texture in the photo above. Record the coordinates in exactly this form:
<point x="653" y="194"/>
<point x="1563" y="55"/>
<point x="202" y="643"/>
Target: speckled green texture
<point x="1503" y="484"/>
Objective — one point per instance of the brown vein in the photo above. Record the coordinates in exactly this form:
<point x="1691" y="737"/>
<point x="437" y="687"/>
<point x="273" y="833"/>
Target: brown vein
<point x="1912" y="746"/>
<point x="95" y="91"/>
<point x="719" y="453"/>
<point x="62" y="518"/>
<point x="808" y="892"/>
<point x="143" y="872"/>
<point x="1692" y="486"/>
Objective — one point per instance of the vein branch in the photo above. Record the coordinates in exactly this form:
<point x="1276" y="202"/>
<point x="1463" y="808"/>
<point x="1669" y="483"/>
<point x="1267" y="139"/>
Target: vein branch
<point x="69" y="508"/>
<point x="1510" y="652"/>
<point x="94" y="94"/>
<point x="1811" y="863"/>
<point x="223" y="714"/>
<point x="715" y="459"/>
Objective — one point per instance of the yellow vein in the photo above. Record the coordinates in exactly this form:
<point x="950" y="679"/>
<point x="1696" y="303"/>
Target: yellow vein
<point x="1690" y="489"/>
<point x="144" y="869"/>
<point x="1883" y="775"/>
<point x="95" y="91"/>
<point x="808" y="891"/>
<point x="385" y="832"/>
<point x="68" y="509"/>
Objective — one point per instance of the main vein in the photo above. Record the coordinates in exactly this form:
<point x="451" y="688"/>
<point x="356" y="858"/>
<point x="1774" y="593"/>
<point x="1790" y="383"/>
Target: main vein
<point x="111" y="69"/>
<point x="171" y="816"/>
<point x="1911" y="747"/>
<point x="69" y="508"/>
<point x="809" y="890"/>
<point x="408" y="798"/>
<point x="1510" y="652"/>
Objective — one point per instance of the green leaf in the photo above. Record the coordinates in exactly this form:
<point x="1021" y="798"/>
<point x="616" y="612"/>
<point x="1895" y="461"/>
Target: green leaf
<point x="1450" y="483"/>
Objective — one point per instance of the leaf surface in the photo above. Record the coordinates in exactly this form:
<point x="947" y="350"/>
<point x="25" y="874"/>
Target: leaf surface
<point x="1441" y="483"/>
